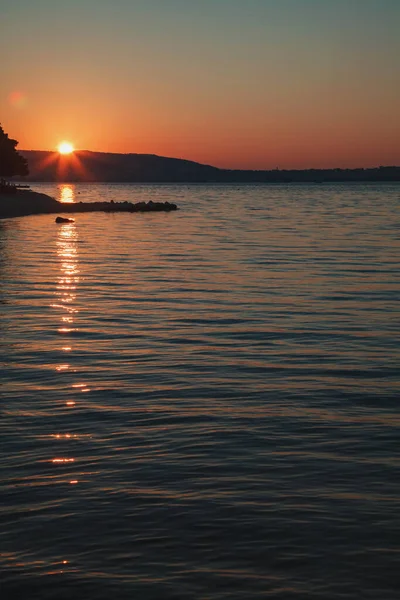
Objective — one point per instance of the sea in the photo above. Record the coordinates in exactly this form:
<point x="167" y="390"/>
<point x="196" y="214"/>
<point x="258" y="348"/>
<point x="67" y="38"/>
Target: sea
<point x="202" y="404"/>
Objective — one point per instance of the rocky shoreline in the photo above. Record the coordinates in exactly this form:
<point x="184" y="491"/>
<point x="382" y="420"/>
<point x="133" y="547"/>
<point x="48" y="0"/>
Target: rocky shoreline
<point x="26" y="202"/>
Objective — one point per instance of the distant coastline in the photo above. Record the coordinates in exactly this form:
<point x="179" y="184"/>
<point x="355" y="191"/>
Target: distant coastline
<point x="99" y="167"/>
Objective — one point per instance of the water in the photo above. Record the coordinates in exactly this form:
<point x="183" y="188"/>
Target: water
<point x="202" y="404"/>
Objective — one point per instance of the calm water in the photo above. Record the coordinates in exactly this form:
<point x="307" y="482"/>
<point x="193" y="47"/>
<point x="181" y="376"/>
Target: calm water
<point x="202" y="404"/>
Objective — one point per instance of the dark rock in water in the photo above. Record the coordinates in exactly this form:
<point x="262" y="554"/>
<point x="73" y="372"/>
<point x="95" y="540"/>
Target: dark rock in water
<point x="64" y="220"/>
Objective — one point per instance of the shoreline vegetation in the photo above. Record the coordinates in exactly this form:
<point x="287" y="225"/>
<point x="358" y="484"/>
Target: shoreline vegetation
<point x="22" y="202"/>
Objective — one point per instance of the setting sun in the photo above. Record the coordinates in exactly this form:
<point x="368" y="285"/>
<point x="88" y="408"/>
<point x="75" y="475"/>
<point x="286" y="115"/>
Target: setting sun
<point x="65" y="148"/>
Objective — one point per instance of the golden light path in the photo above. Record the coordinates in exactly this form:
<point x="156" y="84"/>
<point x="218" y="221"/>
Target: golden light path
<point x="67" y="193"/>
<point x="66" y="292"/>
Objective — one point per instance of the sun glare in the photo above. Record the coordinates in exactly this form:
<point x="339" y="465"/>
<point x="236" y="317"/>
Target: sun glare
<point x="65" y="148"/>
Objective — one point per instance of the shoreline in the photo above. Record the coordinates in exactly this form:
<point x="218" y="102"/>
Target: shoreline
<point x="23" y="203"/>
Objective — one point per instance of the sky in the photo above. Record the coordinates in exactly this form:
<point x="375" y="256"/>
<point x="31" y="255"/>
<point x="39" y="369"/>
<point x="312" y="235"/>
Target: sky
<point x="254" y="84"/>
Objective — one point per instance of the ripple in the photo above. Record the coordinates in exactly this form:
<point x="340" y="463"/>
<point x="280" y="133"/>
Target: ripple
<point x="203" y="404"/>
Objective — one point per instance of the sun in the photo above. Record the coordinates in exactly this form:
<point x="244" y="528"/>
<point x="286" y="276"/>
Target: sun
<point x="65" y="148"/>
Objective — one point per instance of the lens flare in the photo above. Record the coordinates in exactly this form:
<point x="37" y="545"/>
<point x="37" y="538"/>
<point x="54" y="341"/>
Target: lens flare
<point x="17" y="99"/>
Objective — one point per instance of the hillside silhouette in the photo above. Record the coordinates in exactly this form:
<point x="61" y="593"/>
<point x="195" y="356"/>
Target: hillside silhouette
<point x="86" y="166"/>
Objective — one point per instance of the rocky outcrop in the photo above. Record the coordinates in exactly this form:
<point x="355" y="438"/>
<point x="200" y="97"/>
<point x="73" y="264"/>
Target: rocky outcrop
<point x="26" y="202"/>
<point x="64" y="220"/>
<point x="150" y="206"/>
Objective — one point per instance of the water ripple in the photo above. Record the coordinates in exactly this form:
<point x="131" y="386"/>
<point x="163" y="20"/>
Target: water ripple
<point x="202" y="404"/>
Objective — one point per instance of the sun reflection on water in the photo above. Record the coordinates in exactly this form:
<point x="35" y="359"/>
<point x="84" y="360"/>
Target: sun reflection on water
<point x="65" y="305"/>
<point x="69" y="275"/>
<point x="81" y="387"/>
<point x="67" y="193"/>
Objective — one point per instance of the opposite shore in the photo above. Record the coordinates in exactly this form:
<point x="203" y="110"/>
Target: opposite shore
<point x="84" y="166"/>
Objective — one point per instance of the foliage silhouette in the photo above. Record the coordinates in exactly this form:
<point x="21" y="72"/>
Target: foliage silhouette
<point x="11" y="162"/>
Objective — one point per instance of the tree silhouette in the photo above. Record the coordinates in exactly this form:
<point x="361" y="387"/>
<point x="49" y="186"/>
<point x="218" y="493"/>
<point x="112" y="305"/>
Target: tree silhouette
<point x="11" y="163"/>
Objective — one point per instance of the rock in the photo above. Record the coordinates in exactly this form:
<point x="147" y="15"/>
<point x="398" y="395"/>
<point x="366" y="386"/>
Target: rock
<point x="64" y="220"/>
<point x="27" y="202"/>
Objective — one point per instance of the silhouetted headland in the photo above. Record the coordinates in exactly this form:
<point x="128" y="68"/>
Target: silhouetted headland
<point x="20" y="203"/>
<point x="85" y="166"/>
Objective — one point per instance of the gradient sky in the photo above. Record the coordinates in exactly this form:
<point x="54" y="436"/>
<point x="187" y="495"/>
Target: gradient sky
<point x="233" y="83"/>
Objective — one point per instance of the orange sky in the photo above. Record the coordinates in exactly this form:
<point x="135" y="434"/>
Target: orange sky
<point x="261" y="84"/>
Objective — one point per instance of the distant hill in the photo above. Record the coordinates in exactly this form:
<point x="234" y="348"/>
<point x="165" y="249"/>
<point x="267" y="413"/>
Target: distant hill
<point x="89" y="166"/>
<point x="106" y="167"/>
